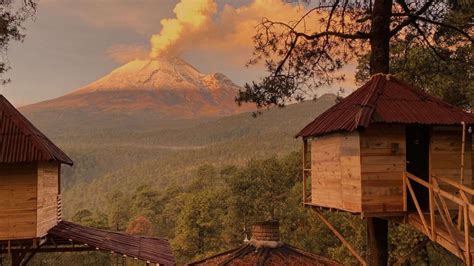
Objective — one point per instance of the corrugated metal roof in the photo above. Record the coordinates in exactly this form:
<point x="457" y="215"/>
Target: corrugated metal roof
<point x="251" y="255"/>
<point x="385" y="99"/>
<point x="154" y="250"/>
<point x="21" y="141"/>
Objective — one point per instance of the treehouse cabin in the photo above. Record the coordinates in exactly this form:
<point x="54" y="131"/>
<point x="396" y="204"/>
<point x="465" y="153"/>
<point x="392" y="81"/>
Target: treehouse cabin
<point x="30" y="202"/>
<point x="359" y="153"/>
<point x="30" y="166"/>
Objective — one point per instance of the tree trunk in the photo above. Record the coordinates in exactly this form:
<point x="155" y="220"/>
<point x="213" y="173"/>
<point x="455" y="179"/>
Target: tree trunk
<point x="377" y="228"/>
<point x="377" y="241"/>
<point x="380" y="37"/>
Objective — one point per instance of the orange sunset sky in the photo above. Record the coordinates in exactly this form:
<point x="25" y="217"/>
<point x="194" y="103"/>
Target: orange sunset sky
<point x="71" y="43"/>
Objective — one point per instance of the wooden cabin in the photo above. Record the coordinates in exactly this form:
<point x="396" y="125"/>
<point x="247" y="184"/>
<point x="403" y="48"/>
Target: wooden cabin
<point x="30" y="166"/>
<point x="358" y="153"/>
<point x="30" y="202"/>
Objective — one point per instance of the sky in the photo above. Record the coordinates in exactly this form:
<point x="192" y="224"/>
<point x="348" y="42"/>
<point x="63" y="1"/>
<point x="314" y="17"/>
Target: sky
<point x="71" y="43"/>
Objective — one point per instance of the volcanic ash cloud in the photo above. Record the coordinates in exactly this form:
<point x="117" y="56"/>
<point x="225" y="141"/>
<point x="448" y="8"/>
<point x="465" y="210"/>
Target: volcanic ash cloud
<point x="191" y="16"/>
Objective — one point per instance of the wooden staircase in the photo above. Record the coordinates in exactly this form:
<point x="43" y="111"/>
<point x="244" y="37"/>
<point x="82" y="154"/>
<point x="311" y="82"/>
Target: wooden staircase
<point x="437" y="222"/>
<point x="442" y="237"/>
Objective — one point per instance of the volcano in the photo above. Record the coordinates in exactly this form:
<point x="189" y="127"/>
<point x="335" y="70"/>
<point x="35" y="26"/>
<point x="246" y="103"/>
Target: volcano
<point x="165" y="88"/>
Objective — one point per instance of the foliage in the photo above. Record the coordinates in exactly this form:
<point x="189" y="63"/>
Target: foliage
<point x="199" y="225"/>
<point x="140" y="226"/>
<point x="450" y="80"/>
<point x="448" y="77"/>
<point x="119" y="211"/>
<point x="13" y="14"/>
<point x="307" y="53"/>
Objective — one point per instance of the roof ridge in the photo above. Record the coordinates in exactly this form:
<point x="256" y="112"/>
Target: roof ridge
<point x="375" y="91"/>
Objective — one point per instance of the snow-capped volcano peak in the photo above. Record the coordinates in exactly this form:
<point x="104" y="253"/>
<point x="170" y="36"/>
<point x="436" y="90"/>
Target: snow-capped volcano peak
<point x="162" y="73"/>
<point x="167" y="86"/>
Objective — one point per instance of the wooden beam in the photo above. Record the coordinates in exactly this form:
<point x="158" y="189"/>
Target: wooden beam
<point x="467" y="239"/>
<point x="453" y="183"/>
<point x="340" y="237"/>
<point x="404" y="190"/>
<point x="449" y="227"/>
<point x="432" y="211"/>
<point x="461" y="178"/>
<point x="417" y="205"/>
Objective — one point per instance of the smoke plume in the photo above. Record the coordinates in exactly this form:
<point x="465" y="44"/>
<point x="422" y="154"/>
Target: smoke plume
<point x="200" y="25"/>
<point x="191" y="16"/>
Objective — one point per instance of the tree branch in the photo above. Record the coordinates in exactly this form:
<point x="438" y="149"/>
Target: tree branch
<point x="446" y="26"/>
<point x="410" y="16"/>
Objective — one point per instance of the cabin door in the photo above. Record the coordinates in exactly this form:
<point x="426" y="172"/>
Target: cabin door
<point x="418" y="162"/>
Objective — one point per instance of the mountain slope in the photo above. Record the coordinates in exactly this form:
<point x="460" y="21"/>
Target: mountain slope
<point x="148" y="90"/>
<point x="157" y="157"/>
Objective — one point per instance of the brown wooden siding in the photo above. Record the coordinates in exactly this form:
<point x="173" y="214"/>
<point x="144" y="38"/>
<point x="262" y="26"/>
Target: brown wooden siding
<point x="47" y="197"/>
<point x="381" y="169"/>
<point x="18" y="190"/>
<point x="335" y="175"/>
<point x="445" y="155"/>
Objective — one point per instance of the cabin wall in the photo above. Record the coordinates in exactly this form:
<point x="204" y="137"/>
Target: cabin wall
<point x="335" y="172"/>
<point x="382" y="168"/>
<point x="445" y="155"/>
<point x="48" y="190"/>
<point x="18" y="188"/>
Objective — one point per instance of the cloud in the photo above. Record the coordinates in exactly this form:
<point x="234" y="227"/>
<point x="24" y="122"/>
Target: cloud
<point x="123" y="53"/>
<point x="228" y="31"/>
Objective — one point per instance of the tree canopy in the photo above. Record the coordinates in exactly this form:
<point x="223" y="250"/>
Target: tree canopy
<point x="12" y="17"/>
<point x="305" y="54"/>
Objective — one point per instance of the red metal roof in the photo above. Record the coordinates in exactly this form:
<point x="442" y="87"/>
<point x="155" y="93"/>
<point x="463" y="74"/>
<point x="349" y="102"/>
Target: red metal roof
<point x="251" y="255"/>
<point x="385" y="99"/>
<point x="154" y="250"/>
<point x="21" y="141"/>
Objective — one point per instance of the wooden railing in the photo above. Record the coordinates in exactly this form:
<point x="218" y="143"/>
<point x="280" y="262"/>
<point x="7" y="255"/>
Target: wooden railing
<point x="59" y="208"/>
<point x="438" y="208"/>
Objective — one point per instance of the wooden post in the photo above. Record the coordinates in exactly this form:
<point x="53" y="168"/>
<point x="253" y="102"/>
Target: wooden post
<point x="432" y="209"/>
<point x="404" y="190"/>
<point x="466" y="235"/>
<point x="461" y="178"/>
<point x="305" y="149"/>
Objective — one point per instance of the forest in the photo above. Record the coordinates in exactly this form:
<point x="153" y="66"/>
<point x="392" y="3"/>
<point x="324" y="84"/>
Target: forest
<point x="214" y="212"/>
<point x="203" y="183"/>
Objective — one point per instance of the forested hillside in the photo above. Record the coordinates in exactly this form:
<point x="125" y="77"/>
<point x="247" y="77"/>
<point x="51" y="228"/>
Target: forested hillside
<point x="202" y="183"/>
<point x="123" y="158"/>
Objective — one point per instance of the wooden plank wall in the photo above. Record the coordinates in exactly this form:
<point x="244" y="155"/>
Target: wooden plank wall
<point x="335" y="172"/>
<point x="445" y="155"/>
<point x="18" y="201"/>
<point x="382" y="170"/>
<point x="47" y="196"/>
